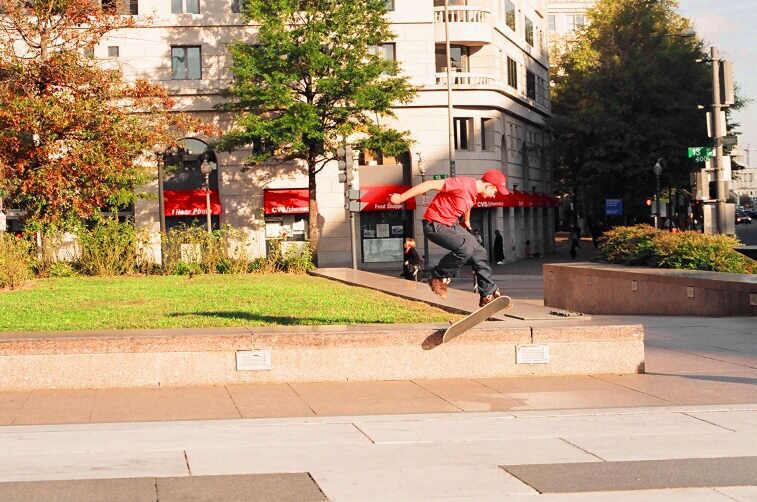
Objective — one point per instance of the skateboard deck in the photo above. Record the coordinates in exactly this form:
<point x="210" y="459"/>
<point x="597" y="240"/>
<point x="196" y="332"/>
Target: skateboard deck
<point x="480" y="315"/>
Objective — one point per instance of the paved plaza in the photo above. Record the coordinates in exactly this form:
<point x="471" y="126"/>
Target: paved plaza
<point x="685" y="430"/>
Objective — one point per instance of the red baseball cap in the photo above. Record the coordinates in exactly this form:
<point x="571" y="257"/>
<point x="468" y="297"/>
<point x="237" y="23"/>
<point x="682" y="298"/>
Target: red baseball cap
<point x="497" y="179"/>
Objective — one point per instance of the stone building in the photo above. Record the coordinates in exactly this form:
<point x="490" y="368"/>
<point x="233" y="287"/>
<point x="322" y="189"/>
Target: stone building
<point x="501" y="103"/>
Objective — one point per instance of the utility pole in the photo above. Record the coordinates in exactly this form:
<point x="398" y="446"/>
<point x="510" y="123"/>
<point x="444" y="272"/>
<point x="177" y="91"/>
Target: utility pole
<point x="449" y="92"/>
<point x="718" y="134"/>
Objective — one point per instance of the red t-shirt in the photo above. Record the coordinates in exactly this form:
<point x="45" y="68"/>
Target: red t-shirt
<point x="458" y="195"/>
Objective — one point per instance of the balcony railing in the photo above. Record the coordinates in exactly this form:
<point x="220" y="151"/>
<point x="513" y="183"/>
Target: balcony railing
<point x="462" y="14"/>
<point x="464" y="78"/>
<point x="488" y="81"/>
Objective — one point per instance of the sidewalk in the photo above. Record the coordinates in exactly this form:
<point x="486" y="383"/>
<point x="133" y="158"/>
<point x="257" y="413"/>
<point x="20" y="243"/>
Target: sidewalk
<point x="685" y="430"/>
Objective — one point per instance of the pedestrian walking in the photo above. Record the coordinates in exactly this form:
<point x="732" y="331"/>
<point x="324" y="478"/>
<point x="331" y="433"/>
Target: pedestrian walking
<point x="442" y="225"/>
<point x="499" y="247"/>
<point x="575" y="241"/>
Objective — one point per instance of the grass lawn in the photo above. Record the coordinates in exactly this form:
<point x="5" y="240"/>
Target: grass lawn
<point x="88" y="303"/>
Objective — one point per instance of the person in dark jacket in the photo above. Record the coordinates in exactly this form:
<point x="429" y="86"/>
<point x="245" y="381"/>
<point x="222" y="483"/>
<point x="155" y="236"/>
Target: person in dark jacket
<point x="499" y="247"/>
<point x="412" y="268"/>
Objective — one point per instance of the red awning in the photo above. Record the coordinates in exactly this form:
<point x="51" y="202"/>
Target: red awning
<point x="498" y="200"/>
<point x="190" y="203"/>
<point x="286" y="200"/>
<point x="376" y="198"/>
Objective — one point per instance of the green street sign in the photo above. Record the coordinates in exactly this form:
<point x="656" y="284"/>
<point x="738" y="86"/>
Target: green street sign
<point x="439" y="176"/>
<point x="701" y="153"/>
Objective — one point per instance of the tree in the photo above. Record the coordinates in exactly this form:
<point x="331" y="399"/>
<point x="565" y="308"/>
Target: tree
<point x="312" y="81"/>
<point x="72" y="133"/>
<point x="625" y="95"/>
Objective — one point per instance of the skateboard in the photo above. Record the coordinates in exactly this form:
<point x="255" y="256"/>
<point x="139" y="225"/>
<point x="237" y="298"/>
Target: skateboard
<point x="480" y="315"/>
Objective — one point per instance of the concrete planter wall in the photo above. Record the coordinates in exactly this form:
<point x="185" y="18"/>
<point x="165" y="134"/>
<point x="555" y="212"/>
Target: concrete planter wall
<point x="594" y="288"/>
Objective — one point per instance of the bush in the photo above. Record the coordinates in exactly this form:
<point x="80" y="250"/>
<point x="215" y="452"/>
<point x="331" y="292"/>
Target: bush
<point x="294" y="259"/>
<point x="644" y="245"/>
<point x="628" y="245"/>
<point x="109" y="247"/>
<point x="16" y="259"/>
<point x="192" y="250"/>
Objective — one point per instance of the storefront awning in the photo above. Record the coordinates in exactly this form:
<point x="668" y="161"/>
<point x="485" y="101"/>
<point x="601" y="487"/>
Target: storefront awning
<point x="190" y="203"/>
<point x="517" y="199"/>
<point x="376" y="198"/>
<point x="286" y="201"/>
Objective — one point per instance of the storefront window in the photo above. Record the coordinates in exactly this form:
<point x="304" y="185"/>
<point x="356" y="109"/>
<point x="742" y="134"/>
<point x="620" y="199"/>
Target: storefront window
<point x="287" y="227"/>
<point x="381" y="235"/>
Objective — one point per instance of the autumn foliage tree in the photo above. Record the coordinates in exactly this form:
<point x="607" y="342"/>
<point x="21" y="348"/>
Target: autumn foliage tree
<point x="73" y="133"/>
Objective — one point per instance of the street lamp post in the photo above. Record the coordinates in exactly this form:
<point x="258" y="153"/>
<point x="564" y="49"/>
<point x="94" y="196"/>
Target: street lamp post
<point x="422" y="172"/>
<point x="657" y="171"/>
<point x="206" y="168"/>
<point x="3" y="223"/>
<point x="451" y="125"/>
<point x="160" y="156"/>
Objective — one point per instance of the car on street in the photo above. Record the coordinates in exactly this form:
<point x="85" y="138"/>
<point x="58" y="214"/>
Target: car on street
<point x="743" y="217"/>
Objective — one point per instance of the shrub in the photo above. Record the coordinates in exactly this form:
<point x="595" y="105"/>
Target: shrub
<point x="644" y="245"/>
<point x="695" y="251"/>
<point x="294" y="259"/>
<point x="192" y="250"/>
<point x="109" y="247"/>
<point x="16" y="258"/>
<point x="628" y="245"/>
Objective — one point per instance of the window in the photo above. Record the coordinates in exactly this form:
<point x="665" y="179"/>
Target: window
<point x="112" y="51"/>
<point x="576" y="21"/>
<point x="462" y="133"/>
<point x="552" y="23"/>
<point x="186" y="63"/>
<point x="130" y="8"/>
<point x="385" y="51"/>
<point x="185" y="6"/>
<point x="512" y="73"/>
<point x="510" y="14"/>
<point x="530" y="85"/>
<point x="389" y="5"/>
<point x="458" y="55"/>
<point x="236" y="7"/>
<point x="529" y="31"/>
<point x="486" y="133"/>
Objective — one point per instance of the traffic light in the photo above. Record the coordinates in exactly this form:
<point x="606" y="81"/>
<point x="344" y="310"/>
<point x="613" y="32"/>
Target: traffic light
<point x="649" y="201"/>
<point x="348" y="174"/>
<point x="346" y="161"/>
<point x="726" y="83"/>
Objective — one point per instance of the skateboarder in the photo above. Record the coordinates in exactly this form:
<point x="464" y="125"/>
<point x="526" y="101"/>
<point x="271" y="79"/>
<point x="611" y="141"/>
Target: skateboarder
<point x="442" y="226"/>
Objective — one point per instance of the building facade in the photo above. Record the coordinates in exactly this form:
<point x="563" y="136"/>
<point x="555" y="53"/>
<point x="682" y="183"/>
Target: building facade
<point x="744" y="183"/>
<point x="564" y="17"/>
<point x="500" y="98"/>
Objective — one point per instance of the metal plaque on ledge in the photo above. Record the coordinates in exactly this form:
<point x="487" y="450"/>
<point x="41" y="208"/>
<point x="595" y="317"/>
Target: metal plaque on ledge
<point x="253" y="360"/>
<point x="532" y="354"/>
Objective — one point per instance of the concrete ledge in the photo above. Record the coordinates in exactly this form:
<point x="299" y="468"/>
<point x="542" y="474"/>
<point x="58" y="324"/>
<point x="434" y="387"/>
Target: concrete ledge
<point x="310" y="353"/>
<point x="615" y="289"/>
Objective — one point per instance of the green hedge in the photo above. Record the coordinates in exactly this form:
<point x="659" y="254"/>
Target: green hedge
<point x="644" y="245"/>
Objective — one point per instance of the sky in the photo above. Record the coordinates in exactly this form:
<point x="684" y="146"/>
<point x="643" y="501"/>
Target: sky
<point x="731" y="26"/>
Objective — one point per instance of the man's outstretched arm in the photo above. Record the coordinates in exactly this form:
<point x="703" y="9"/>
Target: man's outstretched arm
<point x="419" y="189"/>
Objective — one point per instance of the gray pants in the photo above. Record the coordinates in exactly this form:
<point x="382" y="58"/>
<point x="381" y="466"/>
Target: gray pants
<point x="463" y="246"/>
